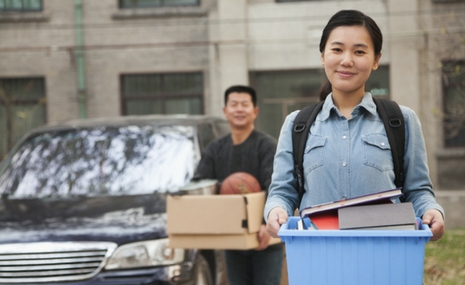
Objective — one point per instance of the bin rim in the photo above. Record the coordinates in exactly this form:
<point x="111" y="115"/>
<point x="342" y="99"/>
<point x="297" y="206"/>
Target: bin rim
<point x="285" y="231"/>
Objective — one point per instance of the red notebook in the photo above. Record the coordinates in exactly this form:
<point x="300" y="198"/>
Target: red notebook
<point x="325" y="221"/>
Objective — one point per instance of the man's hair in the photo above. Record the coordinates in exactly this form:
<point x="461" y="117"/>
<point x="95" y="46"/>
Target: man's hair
<point x="241" y="89"/>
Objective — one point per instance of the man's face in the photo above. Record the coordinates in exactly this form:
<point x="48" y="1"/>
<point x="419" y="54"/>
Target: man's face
<point x="240" y="111"/>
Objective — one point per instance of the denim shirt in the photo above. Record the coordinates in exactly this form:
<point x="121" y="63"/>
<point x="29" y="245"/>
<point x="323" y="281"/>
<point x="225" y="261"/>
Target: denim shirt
<point x="347" y="158"/>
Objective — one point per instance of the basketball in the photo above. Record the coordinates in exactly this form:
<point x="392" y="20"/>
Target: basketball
<point x="240" y="183"/>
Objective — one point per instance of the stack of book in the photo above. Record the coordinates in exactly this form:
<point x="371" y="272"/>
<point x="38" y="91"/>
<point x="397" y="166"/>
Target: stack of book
<point x="369" y="212"/>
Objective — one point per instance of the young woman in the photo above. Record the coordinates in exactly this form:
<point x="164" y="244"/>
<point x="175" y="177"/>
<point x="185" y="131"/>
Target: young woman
<point x="340" y="160"/>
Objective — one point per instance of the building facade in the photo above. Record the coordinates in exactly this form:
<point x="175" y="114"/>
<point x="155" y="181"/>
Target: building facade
<point x="62" y="60"/>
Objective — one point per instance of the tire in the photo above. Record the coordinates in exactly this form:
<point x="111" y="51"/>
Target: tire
<point x="202" y="274"/>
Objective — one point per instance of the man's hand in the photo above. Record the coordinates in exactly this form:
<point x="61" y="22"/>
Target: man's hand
<point x="276" y="218"/>
<point x="263" y="238"/>
<point x="433" y="218"/>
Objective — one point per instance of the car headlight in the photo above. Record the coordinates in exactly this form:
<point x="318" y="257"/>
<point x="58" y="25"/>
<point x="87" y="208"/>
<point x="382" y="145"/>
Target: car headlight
<point x="144" y="254"/>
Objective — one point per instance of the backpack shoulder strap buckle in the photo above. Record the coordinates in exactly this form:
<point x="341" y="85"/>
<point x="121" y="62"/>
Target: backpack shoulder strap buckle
<point x="395" y="122"/>
<point x="299" y="127"/>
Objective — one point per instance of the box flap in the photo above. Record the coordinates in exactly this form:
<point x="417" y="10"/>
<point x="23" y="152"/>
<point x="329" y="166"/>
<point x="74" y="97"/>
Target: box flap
<point x="255" y="206"/>
<point x="215" y="214"/>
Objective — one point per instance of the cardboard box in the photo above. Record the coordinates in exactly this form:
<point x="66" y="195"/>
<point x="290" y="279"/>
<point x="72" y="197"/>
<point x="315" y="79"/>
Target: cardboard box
<point x="215" y="221"/>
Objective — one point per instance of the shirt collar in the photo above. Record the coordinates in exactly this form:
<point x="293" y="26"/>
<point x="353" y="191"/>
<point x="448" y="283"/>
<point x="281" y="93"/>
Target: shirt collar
<point x="366" y="103"/>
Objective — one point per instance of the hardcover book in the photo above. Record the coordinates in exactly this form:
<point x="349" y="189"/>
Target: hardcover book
<point x="374" y="198"/>
<point x="395" y="216"/>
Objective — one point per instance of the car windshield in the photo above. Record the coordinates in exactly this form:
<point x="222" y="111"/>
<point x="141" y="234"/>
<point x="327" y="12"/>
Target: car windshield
<point x="101" y="161"/>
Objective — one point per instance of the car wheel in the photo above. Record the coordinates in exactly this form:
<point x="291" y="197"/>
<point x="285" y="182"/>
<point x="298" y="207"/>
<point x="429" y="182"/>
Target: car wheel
<point x="202" y="271"/>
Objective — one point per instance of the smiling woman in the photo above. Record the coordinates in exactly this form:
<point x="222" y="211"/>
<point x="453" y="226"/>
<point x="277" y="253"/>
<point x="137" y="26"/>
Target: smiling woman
<point x="344" y="136"/>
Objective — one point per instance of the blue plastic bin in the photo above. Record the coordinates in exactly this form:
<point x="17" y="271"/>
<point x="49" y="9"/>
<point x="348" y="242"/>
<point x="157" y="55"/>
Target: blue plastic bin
<point x="354" y="257"/>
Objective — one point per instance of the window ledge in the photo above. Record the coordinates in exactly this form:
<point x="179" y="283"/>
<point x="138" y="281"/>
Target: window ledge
<point x="18" y="17"/>
<point x="129" y="14"/>
<point x="451" y="153"/>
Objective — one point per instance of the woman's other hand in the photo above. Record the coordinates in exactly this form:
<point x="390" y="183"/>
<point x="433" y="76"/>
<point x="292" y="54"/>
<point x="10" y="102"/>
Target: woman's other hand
<point x="433" y="218"/>
<point x="276" y="218"/>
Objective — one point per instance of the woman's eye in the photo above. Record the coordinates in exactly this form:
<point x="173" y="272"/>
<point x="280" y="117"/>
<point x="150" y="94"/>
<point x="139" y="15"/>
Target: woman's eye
<point x="336" y="49"/>
<point x="360" y="52"/>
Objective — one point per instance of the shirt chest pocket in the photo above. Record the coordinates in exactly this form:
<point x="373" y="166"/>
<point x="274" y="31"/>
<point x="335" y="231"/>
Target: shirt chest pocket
<point x="377" y="152"/>
<point x="314" y="153"/>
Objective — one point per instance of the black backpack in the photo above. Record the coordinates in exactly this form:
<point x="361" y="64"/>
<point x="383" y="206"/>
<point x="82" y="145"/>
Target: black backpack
<point x="393" y="120"/>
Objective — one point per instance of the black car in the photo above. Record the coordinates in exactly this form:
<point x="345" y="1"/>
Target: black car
<point x="84" y="202"/>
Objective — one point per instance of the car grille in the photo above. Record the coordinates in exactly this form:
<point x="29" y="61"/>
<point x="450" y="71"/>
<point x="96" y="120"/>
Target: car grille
<point x="52" y="262"/>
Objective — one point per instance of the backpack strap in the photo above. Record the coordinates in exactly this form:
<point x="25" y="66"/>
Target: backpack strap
<point x="393" y="120"/>
<point x="300" y="130"/>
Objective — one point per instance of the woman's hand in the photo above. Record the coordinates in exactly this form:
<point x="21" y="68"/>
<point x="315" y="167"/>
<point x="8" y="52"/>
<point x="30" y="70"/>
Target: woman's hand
<point x="276" y="218"/>
<point x="433" y="218"/>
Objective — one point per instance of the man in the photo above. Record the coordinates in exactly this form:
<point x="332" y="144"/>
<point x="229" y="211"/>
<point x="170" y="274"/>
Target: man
<point x="245" y="150"/>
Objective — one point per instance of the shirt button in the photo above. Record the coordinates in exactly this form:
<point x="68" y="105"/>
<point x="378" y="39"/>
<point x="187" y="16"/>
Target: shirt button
<point x="344" y="137"/>
<point x="382" y="144"/>
<point x="344" y="164"/>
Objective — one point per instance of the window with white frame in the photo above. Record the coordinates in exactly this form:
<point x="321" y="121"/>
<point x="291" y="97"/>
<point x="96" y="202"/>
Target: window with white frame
<point x="20" y="5"/>
<point x="129" y="4"/>
<point x="22" y="108"/>
<point x="162" y="93"/>
<point x="454" y="103"/>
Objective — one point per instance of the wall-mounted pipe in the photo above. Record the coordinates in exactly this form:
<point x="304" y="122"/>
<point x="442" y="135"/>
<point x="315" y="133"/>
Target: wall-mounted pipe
<point x="80" y="64"/>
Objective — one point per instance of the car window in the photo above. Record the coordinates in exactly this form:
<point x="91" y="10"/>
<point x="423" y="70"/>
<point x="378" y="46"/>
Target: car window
<point x="206" y="134"/>
<point x="101" y="161"/>
<point x="222" y="128"/>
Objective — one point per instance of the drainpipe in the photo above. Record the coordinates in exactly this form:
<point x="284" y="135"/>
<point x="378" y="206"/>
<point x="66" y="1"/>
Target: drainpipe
<point x="80" y="65"/>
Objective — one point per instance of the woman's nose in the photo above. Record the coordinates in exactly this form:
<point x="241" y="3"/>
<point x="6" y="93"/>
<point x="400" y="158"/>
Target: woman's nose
<point x="347" y="59"/>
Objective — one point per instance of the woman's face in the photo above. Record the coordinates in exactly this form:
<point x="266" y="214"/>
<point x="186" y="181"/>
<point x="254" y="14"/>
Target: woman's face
<point x="348" y="59"/>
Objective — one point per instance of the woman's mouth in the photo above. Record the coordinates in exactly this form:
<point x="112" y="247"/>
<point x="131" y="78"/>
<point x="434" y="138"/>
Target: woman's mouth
<point x="345" y="73"/>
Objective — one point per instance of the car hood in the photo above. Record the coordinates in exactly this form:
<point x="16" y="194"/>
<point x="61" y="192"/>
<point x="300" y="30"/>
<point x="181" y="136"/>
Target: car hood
<point x="119" y="219"/>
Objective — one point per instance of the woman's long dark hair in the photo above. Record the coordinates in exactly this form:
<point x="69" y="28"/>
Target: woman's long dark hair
<point x="350" y="18"/>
